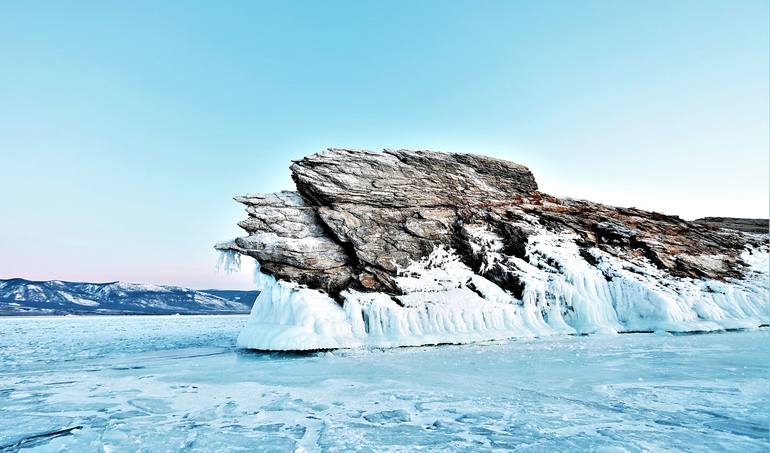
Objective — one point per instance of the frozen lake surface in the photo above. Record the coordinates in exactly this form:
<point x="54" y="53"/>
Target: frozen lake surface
<point x="177" y="383"/>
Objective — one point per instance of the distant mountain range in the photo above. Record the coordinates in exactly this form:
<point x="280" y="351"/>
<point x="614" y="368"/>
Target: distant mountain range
<point x="53" y="297"/>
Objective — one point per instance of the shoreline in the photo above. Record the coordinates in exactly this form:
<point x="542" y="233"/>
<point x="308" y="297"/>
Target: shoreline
<point x="114" y="315"/>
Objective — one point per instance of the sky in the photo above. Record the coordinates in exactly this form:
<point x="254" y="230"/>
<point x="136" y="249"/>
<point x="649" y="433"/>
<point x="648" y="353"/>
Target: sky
<point x="127" y="127"/>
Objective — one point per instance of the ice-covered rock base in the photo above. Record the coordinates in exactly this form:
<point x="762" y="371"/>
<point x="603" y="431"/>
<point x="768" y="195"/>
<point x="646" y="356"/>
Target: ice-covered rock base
<point x="444" y="301"/>
<point x="418" y="247"/>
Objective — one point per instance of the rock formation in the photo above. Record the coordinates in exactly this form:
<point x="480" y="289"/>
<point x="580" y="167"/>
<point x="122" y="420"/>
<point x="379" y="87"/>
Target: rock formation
<point x="442" y="247"/>
<point x="733" y="223"/>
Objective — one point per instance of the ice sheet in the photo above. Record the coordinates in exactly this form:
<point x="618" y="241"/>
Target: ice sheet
<point x="180" y="384"/>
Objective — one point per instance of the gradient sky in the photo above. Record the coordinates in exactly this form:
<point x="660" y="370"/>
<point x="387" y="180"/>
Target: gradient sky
<point x="126" y="127"/>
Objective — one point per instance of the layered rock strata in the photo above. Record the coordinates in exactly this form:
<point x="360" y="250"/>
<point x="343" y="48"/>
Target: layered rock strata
<point x="733" y="223"/>
<point x="416" y="247"/>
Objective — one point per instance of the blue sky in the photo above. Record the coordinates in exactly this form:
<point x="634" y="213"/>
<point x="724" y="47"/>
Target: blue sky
<point x="126" y="127"/>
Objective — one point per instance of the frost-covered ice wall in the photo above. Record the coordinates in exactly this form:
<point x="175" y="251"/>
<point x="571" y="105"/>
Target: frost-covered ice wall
<point x="412" y="248"/>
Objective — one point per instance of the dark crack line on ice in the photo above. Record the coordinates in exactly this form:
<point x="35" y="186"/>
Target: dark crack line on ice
<point x="37" y="439"/>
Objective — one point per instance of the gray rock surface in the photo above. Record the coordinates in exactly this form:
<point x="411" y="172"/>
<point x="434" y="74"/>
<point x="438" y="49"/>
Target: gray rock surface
<point x="404" y="179"/>
<point x="357" y="216"/>
<point x="289" y="240"/>
<point x="734" y="223"/>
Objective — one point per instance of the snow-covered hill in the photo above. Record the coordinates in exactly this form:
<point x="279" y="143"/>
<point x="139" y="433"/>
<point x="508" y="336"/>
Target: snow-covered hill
<point x="19" y="296"/>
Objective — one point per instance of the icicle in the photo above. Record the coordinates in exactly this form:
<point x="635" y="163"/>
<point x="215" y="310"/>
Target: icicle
<point x="229" y="259"/>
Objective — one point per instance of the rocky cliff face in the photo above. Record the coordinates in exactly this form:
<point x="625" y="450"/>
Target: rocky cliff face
<point x="404" y="231"/>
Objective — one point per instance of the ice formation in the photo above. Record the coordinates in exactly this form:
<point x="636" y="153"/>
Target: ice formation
<point x="446" y="302"/>
<point x="229" y="260"/>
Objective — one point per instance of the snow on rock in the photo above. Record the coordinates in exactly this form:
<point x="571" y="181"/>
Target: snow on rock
<point x="444" y="301"/>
